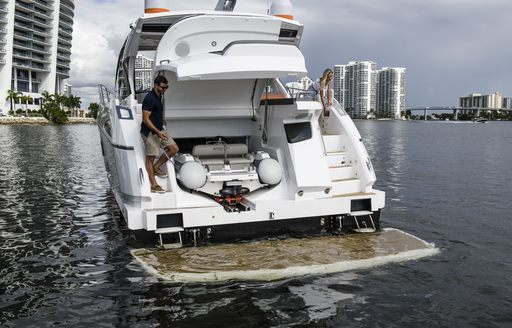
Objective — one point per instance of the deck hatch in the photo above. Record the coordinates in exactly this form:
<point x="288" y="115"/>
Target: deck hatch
<point x="297" y="132"/>
<point x="357" y="205"/>
<point x="169" y="220"/>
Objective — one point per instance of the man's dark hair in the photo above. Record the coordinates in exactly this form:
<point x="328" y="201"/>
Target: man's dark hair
<point x="160" y="79"/>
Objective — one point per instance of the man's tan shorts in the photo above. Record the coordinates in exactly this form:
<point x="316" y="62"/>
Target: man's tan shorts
<point x="152" y="143"/>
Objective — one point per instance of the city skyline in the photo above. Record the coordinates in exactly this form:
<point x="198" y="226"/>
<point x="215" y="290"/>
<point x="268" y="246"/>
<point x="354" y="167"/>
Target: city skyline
<point x="435" y="40"/>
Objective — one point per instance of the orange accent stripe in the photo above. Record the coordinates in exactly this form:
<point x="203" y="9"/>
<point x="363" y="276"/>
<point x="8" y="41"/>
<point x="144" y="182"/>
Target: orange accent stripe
<point x="285" y="16"/>
<point x="155" y="10"/>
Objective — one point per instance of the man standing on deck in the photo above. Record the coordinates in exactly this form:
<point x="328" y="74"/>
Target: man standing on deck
<point x="154" y="134"/>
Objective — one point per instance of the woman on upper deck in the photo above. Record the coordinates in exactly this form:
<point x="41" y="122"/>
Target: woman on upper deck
<point x="326" y="91"/>
<point x="322" y="90"/>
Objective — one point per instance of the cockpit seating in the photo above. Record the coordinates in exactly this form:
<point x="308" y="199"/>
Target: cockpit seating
<point x="216" y="155"/>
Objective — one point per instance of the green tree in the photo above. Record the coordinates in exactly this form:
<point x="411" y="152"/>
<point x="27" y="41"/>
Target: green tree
<point x="46" y="96"/>
<point x="52" y="108"/>
<point x="93" y="110"/>
<point x="74" y="103"/>
<point x="65" y="104"/>
<point x="60" y="100"/>
<point x="13" y="96"/>
<point x="24" y="100"/>
<point x="53" y="112"/>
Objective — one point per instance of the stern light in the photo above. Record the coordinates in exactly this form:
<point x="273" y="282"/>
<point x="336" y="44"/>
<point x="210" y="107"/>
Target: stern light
<point x="282" y="8"/>
<point x="156" y="6"/>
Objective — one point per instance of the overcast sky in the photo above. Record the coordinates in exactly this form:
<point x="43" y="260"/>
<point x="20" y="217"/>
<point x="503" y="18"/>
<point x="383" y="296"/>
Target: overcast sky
<point x="449" y="47"/>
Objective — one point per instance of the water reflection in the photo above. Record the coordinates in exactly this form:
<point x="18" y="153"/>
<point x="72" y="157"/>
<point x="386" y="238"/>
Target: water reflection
<point x="386" y="142"/>
<point x="65" y="257"/>
<point x="54" y="216"/>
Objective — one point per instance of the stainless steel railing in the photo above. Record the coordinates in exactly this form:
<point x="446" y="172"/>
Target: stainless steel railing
<point x="106" y="95"/>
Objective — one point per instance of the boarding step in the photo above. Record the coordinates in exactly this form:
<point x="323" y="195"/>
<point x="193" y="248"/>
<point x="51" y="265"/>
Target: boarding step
<point x="362" y="227"/>
<point x="341" y="173"/>
<point x="333" y="143"/>
<point x="345" y="186"/>
<point x="336" y="159"/>
<point x="165" y="231"/>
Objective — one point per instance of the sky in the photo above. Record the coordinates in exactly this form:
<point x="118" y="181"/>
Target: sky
<point x="450" y="48"/>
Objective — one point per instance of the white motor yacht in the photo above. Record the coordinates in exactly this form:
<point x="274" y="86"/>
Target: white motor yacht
<point x="253" y="160"/>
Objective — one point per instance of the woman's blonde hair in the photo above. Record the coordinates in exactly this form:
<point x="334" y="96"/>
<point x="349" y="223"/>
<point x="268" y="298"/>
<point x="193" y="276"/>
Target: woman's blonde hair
<point x="326" y="73"/>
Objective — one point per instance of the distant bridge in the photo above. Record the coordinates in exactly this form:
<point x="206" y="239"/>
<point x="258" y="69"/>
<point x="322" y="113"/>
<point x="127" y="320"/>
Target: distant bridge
<point x="456" y="110"/>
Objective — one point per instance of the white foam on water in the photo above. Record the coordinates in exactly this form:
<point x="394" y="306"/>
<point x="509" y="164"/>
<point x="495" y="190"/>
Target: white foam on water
<point x="293" y="271"/>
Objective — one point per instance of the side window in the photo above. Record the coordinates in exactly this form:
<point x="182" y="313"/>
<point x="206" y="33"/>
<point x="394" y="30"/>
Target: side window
<point x="123" y="85"/>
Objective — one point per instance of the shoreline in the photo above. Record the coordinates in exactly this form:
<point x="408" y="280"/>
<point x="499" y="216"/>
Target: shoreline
<point x="43" y="121"/>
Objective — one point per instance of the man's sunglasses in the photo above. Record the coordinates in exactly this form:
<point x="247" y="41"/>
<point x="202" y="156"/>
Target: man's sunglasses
<point x="165" y="88"/>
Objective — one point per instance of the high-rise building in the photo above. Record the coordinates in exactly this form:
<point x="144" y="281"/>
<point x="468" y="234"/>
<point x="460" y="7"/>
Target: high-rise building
<point x="35" y="47"/>
<point x="364" y="92"/>
<point x="478" y="101"/>
<point x="68" y="90"/>
<point x="143" y="72"/>
<point x="507" y="103"/>
<point x="339" y="84"/>
<point x="391" y="92"/>
<point x="355" y="87"/>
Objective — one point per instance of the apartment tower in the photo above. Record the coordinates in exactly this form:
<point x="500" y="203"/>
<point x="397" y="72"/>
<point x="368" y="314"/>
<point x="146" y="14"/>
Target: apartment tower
<point x="391" y="92"/>
<point x="339" y="84"/>
<point x="355" y="87"/>
<point x="143" y="72"/>
<point x="35" y="47"/>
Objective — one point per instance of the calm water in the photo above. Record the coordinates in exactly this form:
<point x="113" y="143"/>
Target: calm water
<point x="64" y="258"/>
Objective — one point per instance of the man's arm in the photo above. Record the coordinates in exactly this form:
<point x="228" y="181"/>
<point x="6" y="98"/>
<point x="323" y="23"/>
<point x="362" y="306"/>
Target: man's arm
<point x="146" y="114"/>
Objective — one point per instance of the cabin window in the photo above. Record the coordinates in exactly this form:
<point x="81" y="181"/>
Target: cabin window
<point x="297" y="132"/>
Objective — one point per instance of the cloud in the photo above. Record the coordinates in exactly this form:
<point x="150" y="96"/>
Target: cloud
<point x="449" y="47"/>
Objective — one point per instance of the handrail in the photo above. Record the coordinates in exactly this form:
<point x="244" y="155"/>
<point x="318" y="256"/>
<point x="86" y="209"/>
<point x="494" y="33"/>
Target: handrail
<point x="105" y="95"/>
<point x="336" y="105"/>
<point x="302" y="94"/>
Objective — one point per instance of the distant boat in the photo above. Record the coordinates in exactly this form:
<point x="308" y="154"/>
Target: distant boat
<point x="479" y="120"/>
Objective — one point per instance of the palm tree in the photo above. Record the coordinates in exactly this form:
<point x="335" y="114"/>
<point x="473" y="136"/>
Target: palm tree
<point x="13" y="96"/>
<point x="24" y="100"/>
<point x="47" y="96"/>
<point x="66" y="103"/>
<point x="75" y="103"/>
<point x="60" y="100"/>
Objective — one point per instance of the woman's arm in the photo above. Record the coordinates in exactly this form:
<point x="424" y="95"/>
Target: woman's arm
<point x="322" y="92"/>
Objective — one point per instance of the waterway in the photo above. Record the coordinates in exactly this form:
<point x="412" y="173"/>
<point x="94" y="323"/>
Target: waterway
<point x="65" y="258"/>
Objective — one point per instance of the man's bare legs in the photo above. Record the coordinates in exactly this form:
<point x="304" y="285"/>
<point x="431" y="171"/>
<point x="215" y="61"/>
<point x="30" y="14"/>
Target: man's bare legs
<point x="149" y="167"/>
<point x="169" y="152"/>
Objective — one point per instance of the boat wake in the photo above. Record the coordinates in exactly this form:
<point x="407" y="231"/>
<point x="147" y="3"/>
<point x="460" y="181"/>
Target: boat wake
<point x="279" y="259"/>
